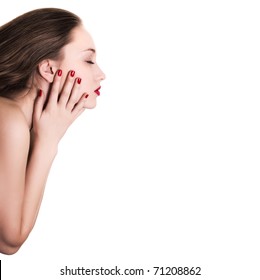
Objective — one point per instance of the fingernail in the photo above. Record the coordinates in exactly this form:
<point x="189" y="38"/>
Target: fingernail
<point x="72" y="73"/>
<point x="79" y="80"/>
<point x="59" y="73"/>
<point x="40" y="93"/>
<point x="86" y="96"/>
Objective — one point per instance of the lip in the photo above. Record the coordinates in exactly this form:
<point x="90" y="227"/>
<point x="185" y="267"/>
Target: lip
<point x="97" y="91"/>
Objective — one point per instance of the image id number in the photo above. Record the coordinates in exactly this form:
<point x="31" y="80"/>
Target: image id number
<point x="177" y="270"/>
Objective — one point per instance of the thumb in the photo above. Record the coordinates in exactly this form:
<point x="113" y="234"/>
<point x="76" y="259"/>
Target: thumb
<point x="38" y="106"/>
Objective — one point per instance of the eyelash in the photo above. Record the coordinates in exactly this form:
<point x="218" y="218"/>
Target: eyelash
<point x="90" y="62"/>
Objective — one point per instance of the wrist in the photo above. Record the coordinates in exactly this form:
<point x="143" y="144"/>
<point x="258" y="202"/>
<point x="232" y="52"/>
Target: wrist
<point x="42" y="146"/>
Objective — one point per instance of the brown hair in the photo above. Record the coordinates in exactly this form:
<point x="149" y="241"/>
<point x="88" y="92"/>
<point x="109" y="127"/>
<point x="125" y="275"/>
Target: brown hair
<point x="27" y="40"/>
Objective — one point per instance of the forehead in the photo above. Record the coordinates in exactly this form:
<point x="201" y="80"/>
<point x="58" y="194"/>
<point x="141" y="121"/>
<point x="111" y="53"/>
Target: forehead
<point x="80" y="40"/>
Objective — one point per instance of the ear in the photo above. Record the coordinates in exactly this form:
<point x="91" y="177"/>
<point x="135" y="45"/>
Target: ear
<point x="46" y="69"/>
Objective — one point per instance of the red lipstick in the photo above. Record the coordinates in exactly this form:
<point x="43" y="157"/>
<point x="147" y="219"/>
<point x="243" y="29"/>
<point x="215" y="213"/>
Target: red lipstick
<point x="97" y="91"/>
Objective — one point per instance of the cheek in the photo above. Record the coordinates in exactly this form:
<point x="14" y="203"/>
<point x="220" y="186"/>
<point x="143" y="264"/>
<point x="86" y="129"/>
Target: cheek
<point x="76" y="66"/>
<point x="87" y="84"/>
<point x="84" y="85"/>
<point x="85" y="72"/>
<point x="81" y="71"/>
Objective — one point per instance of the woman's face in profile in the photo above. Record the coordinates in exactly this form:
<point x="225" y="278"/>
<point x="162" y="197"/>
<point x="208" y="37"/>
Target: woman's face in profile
<point x="80" y="56"/>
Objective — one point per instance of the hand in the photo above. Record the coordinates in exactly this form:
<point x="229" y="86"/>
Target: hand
<point x="51" y="120"/>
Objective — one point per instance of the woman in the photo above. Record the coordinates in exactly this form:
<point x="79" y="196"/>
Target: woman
<point x="48" y="77"/>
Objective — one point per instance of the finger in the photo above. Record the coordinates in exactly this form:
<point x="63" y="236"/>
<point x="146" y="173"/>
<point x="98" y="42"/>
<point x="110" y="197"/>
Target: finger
<point x="67" y="88"/>
<point x="79" y="107"/>
<point x="54" y="93"/>
<point x="38" y="105"/>
<point x="74" y="97"/>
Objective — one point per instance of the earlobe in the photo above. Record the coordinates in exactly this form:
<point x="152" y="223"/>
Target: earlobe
<point x="46" y="70"/>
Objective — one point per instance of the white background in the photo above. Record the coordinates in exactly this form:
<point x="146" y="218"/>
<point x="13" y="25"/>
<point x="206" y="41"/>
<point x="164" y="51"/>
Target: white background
<point x="165" y="170"/>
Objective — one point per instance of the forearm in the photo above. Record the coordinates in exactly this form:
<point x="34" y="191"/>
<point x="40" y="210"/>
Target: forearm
<point x="38" y="167"/>
<point x="19" y="209"/>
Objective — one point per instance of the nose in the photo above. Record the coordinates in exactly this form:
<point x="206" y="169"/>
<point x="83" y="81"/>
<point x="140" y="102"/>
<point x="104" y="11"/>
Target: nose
<point x="100" y="75"/>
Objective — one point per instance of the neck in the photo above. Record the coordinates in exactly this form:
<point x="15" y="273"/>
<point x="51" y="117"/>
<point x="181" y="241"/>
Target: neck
<point x="25" y="102"/>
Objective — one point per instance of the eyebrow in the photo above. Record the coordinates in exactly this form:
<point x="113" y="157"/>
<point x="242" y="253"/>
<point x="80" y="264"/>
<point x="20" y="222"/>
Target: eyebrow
<point x="90" y="49"/>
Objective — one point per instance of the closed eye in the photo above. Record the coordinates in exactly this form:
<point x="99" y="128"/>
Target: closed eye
<point x="90" y="62"/>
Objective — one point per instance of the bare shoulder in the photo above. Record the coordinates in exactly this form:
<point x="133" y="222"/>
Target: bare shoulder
<point x="12" y="120"/>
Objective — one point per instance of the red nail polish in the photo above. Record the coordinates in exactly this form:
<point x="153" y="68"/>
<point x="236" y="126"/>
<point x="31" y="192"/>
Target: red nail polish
<point x="86" y="96"/>
<point x="79" y="81"/>
<point x="40" y="93"/>
<point x="72" y="73"/>
<point x="59" y="73"/>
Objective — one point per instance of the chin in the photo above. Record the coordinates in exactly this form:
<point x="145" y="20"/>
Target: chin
<point x="91" y="105"/>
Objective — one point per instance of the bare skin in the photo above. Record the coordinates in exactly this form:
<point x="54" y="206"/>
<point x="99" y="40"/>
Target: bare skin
<point x="30" y="130"/>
